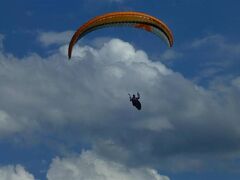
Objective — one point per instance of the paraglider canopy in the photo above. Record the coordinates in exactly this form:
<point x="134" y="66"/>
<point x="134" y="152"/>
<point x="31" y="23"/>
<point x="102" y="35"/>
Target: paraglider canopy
<point x="133" y="19"/>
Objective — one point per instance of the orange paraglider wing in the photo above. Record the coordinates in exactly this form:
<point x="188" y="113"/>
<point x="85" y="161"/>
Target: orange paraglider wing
<point x="133" y="19"/>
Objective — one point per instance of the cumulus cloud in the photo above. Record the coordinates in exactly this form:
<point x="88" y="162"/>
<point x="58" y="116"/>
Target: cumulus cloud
<point x="15" y="173"/>
<point x="90" y="166"/>
<point x="180" y="123"/>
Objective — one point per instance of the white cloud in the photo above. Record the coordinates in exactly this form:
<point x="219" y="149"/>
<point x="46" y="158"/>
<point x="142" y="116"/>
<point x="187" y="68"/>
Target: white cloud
<point x="8" y="125"/>
<point x="88" y="96"/>
<point x="155" y="124"/>
<point x="32" y="88"/>
<point x="90" y="166"/>
<point x="219" y="42"/>
<point x="170" y="55"/>
<point x="15" y="173"/>
<point x="214" y="57"/>
<point x="1" y="41"/>
<point x="236" y="82"/>
<point x="54" y="38"/>
<point x="216" y="39"/>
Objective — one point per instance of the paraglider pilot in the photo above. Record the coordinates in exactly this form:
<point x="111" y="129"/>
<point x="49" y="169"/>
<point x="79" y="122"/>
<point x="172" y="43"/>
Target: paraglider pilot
<point x="135" y="100"/>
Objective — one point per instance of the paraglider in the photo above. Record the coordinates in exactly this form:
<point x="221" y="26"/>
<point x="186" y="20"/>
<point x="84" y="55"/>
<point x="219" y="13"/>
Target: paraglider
<point x="133" y="19"/>
<point x="135" y="101"/>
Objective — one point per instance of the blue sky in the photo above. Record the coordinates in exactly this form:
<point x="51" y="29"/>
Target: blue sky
<point x="63" y="119"/>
